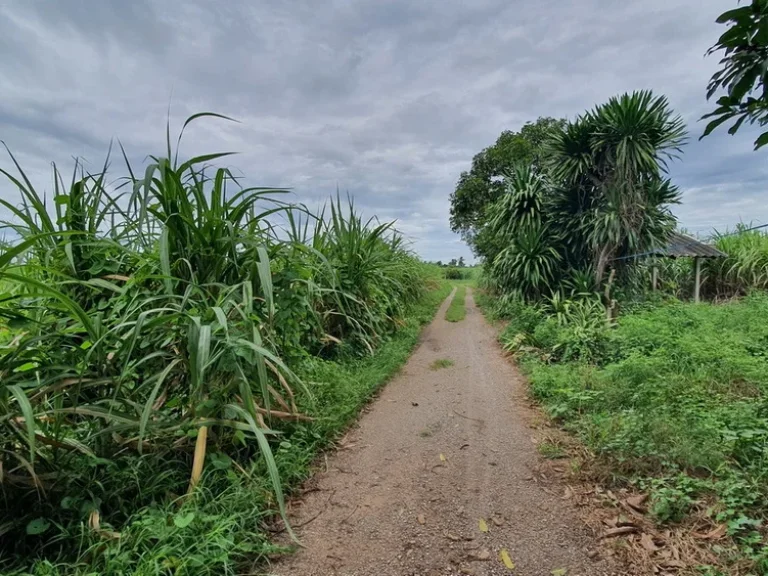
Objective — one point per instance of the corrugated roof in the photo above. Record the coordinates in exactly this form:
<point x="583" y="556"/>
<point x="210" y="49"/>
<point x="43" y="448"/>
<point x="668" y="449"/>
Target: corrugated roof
<point x="680" y="245"/>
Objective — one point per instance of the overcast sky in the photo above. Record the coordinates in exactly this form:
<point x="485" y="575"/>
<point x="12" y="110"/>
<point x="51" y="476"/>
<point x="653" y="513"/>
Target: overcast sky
<point x="388" y="100"/>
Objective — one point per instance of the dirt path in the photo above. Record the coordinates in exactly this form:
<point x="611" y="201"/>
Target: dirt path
<point x="438" y="451"/>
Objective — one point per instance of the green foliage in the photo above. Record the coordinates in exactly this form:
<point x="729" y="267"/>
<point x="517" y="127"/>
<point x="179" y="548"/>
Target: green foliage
<point x="456" y="274"/>
<point x="674" y="399"/>
<point x="131" y="321"/>
<point x="441" y="363"/>
<point x="612" y="197"/>
<point x="603" y="197"/>
<point x="481" y="186"/>
<point x="743" y="73"/>
<point x="745" y="268"/>
<point x="457" y="309"/>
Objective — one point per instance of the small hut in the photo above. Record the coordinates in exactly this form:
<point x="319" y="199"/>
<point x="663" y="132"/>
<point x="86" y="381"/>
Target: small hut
<point x="682" y="246"/>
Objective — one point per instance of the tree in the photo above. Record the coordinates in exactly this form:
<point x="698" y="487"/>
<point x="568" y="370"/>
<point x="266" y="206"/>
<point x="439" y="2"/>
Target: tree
<point x="609" y="166"/>
<point x="452" y="262"/>
<point x="483" y="184"/>
<point x="744" y="70"/>
<point x="461" y="262"/>
<point x="605" y="195"/>
<point x="527" y="255"/>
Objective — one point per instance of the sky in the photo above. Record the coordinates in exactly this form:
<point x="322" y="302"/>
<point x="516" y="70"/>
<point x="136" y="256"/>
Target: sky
<point x="386" y="100"/>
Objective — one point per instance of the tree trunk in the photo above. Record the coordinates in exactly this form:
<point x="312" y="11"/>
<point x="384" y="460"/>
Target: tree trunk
<point x="602" y="263"/>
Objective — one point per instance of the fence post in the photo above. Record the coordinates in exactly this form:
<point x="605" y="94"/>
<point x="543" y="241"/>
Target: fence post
<point x="697" y="285"/>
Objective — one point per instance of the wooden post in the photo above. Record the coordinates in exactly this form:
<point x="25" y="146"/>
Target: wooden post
<point x="655" y="277"/>
<point x="697" y="285"/>
<point x="610" y="305"/>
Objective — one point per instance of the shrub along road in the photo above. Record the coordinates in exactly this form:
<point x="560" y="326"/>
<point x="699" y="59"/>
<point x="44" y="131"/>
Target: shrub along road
<point x="438" y="477"/>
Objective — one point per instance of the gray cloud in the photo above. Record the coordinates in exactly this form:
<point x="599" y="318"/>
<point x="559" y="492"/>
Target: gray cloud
<point x="386" y="100"/>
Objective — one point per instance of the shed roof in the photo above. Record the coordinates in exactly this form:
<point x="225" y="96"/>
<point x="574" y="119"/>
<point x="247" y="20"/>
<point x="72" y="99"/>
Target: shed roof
<point x="680" y="245"/>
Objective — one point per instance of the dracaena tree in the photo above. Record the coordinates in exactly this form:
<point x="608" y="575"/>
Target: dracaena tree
<point x="610" y="166"/>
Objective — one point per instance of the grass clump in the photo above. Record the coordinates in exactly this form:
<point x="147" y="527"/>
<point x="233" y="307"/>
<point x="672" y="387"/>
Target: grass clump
<point x="457" y="310"/>
<point x="674" y="399"/>
<point x="441" y="363"/>
<point x="170" y="332"/>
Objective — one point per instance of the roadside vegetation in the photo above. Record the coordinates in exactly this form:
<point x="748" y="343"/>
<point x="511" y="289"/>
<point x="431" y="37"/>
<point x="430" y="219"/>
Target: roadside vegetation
<point x="441" y="364"/>
<point x="457" y="310"/>
<point x="669" y="396"/>
<point x="174" y="350"/>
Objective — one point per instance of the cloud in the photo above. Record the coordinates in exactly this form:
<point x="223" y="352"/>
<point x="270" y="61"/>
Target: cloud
<point x="386" y="100"/>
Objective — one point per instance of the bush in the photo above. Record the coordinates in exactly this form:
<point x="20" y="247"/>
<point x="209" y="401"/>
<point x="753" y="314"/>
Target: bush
<point x="456" y="274"/>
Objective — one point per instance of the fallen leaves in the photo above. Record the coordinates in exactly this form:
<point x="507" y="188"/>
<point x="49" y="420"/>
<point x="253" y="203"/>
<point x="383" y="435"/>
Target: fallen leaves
<point x="560" y="572"/>
<point x="421" y="519"/>
<point x="646" y="541"/>
<point x="442" y="458"/>
<point x="715" y="534"/>
<point x="483" y="525"/>
<point x="506" y="560"/>
<point x="637" y="502"/>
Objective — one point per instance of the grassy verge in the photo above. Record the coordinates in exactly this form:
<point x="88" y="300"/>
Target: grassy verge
<point x="457" y="310"/>
<point x="224" y="528"/>
<point x="674" y="401"/>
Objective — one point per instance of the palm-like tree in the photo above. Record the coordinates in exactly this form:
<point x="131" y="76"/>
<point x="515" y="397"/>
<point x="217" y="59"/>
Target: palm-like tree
<point x="610" y="167"/>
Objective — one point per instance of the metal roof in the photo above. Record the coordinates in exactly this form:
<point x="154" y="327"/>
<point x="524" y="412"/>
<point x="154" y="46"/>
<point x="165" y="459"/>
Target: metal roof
<point x="680" y="245"/>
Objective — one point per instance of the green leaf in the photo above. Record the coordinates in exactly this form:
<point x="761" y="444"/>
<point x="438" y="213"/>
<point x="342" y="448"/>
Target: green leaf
<point x="221" y="461"/>
<point x="26" y="367"/>
<point x="37" y="526"/>
<point x="735" y="15"/>
<point x="29" y="417"/>
<point x="165" y="260"/>
<point x="265" y="276"/>
<point x="715" y="123"/>
<point x="147" y="411"/>
<point x="183" y="520"/>
<point x="735" y="128"/>
<point x="762" y="140"/>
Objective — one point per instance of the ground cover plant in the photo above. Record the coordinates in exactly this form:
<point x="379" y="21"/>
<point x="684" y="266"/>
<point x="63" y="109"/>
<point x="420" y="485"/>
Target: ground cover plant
<point x="673" y="398"/>
<point x="441" y="364"/>
<point x="174" y="346"/>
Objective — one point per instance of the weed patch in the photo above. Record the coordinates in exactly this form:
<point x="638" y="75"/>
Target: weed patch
<point x="457" y="310"/>
<point x="674" y="399"/>
<point x="441" y="363"/>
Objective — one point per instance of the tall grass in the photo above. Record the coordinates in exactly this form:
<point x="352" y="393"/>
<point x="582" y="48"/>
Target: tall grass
<point x="745" y="268"/>
<point x="153" y="327"/>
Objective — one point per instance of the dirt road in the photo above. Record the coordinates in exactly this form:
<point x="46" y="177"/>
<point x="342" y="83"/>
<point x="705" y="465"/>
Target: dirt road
<point x="439" y="451"/>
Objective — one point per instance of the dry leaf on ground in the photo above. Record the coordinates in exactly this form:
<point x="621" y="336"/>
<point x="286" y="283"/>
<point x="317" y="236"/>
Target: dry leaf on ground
<point x="506" y="560"/>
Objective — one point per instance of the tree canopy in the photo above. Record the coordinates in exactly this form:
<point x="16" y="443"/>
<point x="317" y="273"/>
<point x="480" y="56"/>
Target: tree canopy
<point x="483" y="185"/>
<point x="744" y="70"/>
<point x="589" y="193"/>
